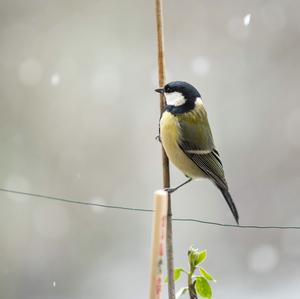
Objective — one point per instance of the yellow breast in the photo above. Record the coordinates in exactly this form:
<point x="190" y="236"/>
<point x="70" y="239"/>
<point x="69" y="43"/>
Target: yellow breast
<point x="170" y="133"/>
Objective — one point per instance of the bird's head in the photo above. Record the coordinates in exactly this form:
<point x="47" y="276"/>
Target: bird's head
<point x="179" y="93"/>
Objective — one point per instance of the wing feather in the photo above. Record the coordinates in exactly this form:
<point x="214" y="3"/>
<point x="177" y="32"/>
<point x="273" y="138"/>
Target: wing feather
<point x="197" y="143"/>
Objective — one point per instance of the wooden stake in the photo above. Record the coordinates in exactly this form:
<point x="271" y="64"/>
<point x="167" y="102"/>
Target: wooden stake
<point x="158" y="242"/>
<point x="165" y="161"/>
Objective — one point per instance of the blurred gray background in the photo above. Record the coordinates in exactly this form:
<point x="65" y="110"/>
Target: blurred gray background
<point x="78" y="117"/>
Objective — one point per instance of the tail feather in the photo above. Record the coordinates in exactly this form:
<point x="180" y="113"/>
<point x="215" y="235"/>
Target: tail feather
<point x="231" y="204"/>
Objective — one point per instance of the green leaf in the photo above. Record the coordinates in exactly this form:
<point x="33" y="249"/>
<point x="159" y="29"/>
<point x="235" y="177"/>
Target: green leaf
<point x="181" y="292"/>
<point x="196" y="256"/>
<point x="201" y="257"/>
<point x="203" y="288"/>
<point x="191" y="255"/>
<point x="177" y="273"/>
<point x="206" y="274"/>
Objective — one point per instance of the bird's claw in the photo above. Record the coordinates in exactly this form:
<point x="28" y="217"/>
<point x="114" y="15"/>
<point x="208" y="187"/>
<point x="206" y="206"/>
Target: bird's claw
<point x="170" y="190"/>
<point x="157" y="138"/>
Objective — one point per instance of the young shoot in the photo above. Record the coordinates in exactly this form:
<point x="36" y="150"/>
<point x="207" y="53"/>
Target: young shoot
<point x="198" y="279"/>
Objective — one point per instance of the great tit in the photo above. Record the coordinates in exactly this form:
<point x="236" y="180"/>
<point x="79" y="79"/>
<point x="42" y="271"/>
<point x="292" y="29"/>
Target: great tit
<point x="186" y="136"/>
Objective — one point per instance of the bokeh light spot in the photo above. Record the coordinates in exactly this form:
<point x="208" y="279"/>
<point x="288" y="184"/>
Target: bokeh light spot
<point x="201" y="66"/>
<point x="55" y="79"/>
<point x="263" y="258"/>
<point x="97" y="200"/>
<point x="106" y="84"/>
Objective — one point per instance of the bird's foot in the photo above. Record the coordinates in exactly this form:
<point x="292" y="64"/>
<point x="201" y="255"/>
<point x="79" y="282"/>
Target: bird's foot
<point x="170" y="190"/>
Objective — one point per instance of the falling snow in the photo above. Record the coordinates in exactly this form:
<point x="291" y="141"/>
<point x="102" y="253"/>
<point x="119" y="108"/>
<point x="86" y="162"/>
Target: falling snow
<point x="247" y="19"/>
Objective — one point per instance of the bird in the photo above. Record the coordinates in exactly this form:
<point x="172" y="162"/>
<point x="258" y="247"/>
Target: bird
<point x="186" y="137"/>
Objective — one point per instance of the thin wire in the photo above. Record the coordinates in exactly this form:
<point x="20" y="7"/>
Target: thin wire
<point x="235" y="225"/>
<point x="76" y="201"/>
<point x="148" y="210"/>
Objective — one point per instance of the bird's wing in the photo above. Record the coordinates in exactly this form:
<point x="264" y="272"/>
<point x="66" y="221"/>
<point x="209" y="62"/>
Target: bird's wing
<point x="197" y="143"/>
<point x="196" y="132"/>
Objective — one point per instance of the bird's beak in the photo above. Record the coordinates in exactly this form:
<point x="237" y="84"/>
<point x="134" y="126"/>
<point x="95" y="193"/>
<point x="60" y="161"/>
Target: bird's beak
<point x="159" y="90"/>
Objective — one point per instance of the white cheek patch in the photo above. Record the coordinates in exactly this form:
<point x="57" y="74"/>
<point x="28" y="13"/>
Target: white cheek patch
<point x="175" y="98"/>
